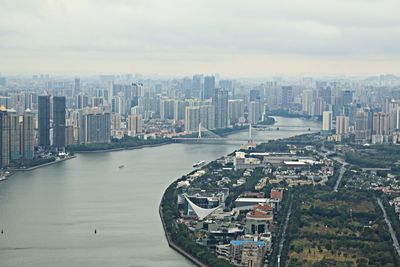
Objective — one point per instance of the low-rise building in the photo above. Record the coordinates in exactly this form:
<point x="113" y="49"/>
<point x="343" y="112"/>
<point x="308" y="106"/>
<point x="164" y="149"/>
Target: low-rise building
<point x="259" y="219"/>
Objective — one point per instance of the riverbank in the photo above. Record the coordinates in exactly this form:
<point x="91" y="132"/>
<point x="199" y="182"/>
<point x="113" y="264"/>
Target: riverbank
<point x="183" y="228"/>
<point x="172" y="245"/>
<point x="39" y="166"/>
<point x="122" y="148"/>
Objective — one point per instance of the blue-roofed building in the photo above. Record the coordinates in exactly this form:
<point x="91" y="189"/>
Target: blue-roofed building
<point x="241" y="242"/>
<point x="247" y="252"/>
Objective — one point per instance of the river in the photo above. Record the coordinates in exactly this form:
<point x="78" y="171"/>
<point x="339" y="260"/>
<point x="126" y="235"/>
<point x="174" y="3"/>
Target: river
<point x="49" y="215"/>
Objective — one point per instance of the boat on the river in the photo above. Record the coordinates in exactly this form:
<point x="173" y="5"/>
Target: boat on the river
<point x="121" y="166"/>
<point x="199" y="164"/>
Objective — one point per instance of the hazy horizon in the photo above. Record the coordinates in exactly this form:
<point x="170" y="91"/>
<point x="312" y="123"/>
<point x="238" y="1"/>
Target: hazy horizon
<point x="176" y="38"/>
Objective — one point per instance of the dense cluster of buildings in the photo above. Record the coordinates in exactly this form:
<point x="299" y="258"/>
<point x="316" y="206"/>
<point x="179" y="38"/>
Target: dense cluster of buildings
<point x="17" y="136"/>
<point x="239" y="224"/>
<point x="361" y="115"/>
<point x="96" y="109"/>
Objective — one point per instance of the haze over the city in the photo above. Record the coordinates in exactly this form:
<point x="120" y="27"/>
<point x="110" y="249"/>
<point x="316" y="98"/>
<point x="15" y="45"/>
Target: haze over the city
<point x="249" y="38"/>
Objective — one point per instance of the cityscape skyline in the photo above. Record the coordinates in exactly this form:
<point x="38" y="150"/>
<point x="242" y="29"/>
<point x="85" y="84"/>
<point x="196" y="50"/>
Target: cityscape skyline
<point x="219" y="133"/>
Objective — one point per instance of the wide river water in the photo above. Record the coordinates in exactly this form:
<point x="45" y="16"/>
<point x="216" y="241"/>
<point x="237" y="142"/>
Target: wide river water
<point x="49" y="215"/>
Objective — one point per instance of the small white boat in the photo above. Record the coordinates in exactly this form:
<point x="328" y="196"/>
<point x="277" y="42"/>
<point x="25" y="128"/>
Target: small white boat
<point x="3" y="178"/>
<point x="199" y="164"/>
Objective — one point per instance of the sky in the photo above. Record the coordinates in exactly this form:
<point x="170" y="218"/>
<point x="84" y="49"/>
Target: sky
<point x="182" y="37"/>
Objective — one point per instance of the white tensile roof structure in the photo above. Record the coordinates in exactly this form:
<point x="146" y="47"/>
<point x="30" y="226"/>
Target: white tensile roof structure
<point x="200" y="212"/>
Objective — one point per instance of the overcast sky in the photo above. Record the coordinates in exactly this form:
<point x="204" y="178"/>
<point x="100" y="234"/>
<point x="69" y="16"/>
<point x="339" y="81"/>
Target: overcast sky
<point x="181" y="37"/>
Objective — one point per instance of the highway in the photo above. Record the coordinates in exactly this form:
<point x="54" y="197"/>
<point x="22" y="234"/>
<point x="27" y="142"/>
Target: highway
<point x="283" y="238"/>
<point x="392" y="232"/>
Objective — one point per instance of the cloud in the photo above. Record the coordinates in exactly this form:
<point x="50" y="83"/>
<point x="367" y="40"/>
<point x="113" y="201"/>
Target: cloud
<point x="81" y="34"/>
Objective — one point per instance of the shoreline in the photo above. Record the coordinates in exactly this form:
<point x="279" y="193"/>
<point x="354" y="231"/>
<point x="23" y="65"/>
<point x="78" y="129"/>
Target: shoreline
<point x="122" y="148"/>
<point x="172" y="245"/>
<point x="12" y="171"/>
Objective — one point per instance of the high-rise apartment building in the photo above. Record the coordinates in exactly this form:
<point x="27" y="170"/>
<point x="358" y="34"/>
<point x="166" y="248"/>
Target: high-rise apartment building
<point x="59" y="121"/>
<point x="327" y="121"/>
<point x="287" y="95"/>
<point x="209" y="87"/>
<point x="195" y="115"/>
<point x="15" y="135"/>
<point x="235" y="110"/>
<point x="308" y="102"/>
<point x="363" y="126"/>
<point x="187" y="87"/>
<point x="28" y="135"/>
<point x="116" y="120"/>
<point x="179" y="109"/>
<point x="4" y="138"/>
<point x="95" y="127"/>
<point x="197" y="85"/>
<point x="342" y="125"/>
<point x="69" y="135"/>
<point x="381" y="123"/>
<point x="135" y="125"/>
<point x="347" y="97"/>
<point x="220" y="102"/>
<point x="167" y="109"/>
<point x="254" y="115"/>
<point x="44" y="121"/>
<point x="81" y="101"/>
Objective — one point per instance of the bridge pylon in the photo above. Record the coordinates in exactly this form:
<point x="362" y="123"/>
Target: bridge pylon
<point x="199" y="136"/>
<point x="250" y="137"/>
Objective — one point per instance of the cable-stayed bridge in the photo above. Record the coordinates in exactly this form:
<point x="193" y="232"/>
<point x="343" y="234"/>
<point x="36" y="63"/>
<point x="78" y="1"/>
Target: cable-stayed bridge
<point x="205" y="135"/>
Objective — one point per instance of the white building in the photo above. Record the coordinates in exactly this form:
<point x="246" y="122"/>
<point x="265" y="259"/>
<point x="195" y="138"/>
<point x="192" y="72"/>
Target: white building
<point x="327" y="121"/>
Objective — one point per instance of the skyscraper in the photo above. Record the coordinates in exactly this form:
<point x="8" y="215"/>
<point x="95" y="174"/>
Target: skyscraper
<point x="28" y="133"/>
<point x="192" y="119"/>
<point x="167" y="109"/>
<point x="235" y="110"/>
<point x="4" y="138"/>
<point x="347" y="97"/>
<point x="363" y="125"/>
<point x="327" y="121"/>
<point x="199" y="114"/>
<point x="81" y="101"/>
<point x="187" y="87"/>
<point x="110" y="92"/>
<point x="197" y="83"/>
<point x="308" y="102"/>
<point x="135" y="123"/>
<point x="220" y="102"/>
<point x="77" y="86"/>
<point x="95" y="128"/>
<point x="59" y="121"/>
<point x="254" y="115"/>
<point x="381" y="123"/>
<point x="287" y="95"/>
<point x="44" y="121"/>
<point x="15" y="132"/>
<point x="342" y="125"/>
<point x="179" y="109"/>
<point x="209" y="87"/>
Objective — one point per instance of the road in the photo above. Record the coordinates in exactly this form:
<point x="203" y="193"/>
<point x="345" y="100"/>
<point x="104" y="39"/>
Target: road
<point x="283" y="238"/>
<point x="392" y="232"/>
<point x="342" y="171"/>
